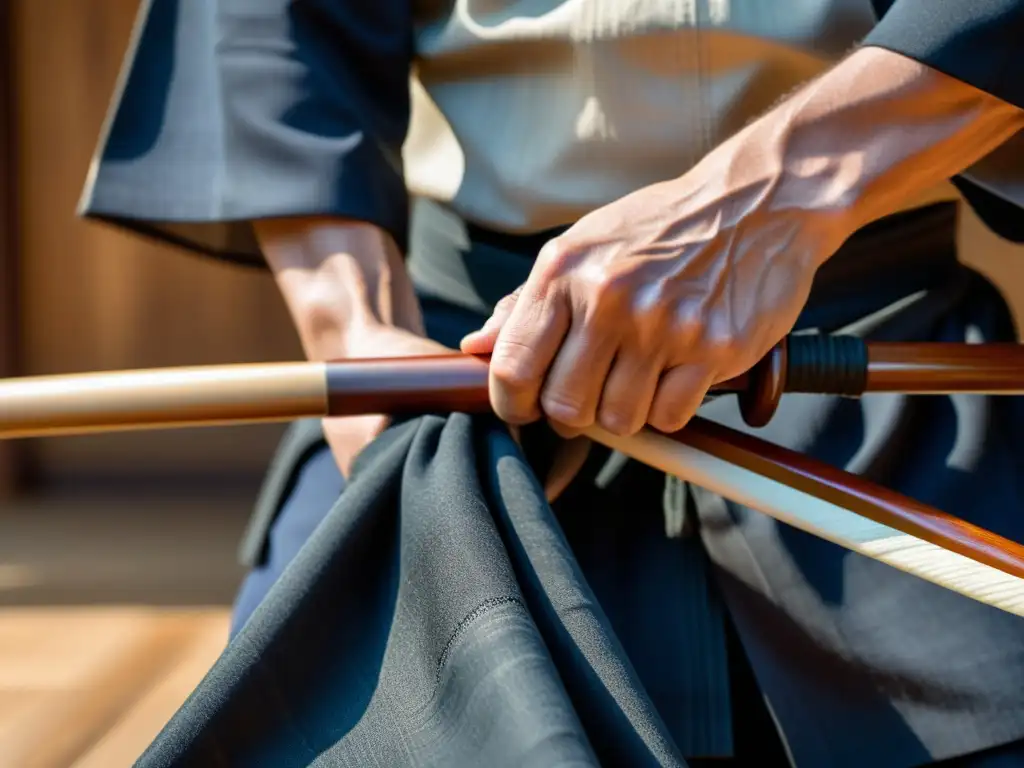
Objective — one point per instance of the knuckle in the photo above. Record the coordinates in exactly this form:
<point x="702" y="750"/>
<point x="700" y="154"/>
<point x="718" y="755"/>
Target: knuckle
<point x="649" y="337"/>
<point x="510" y="370"/>
<point x="724" y="345"/>
<point x="617" y="421"/>
<point x="650" y="304"/>
<point x="689" y="329"/>
<point x="566" y="409"/>
<point x="555" y="258"/>
<point x="506" y="303"/>
<point x="664" y="420"/>
<point x="610" y="290"/>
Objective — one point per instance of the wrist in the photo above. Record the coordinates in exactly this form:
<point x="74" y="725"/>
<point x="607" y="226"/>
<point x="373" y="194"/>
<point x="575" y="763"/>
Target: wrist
<point x="332" y="308"/>
<point x="367" y="337"/>
<point x="854" y="145"/>
<point x="758" y="189"/>
<point x="876" y="131"/>
<point x="343" y="283"/>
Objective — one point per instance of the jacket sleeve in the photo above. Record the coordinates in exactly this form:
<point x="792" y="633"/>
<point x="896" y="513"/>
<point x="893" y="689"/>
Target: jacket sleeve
<point x="230" y="111"/>
<point x="981" y="43"/>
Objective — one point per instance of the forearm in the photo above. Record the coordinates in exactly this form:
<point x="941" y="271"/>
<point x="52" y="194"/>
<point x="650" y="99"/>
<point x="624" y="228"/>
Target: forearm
<point x="855" y="143"/>
<point x="339" y="279"/>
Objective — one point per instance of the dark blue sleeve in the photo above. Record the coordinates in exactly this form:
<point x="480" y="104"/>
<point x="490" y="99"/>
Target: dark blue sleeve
<point x="234" y="110"/>
<point x="980" y="42"/>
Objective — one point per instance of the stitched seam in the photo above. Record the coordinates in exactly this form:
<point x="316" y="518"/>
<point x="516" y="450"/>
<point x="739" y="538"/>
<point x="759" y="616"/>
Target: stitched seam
<point x="484" y="607"/>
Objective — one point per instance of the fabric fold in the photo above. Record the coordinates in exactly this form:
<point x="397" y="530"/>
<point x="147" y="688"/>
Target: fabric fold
<point x="437" y="616"/>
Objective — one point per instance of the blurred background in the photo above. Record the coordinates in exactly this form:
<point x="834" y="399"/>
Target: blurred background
<point x="117" y="553"/>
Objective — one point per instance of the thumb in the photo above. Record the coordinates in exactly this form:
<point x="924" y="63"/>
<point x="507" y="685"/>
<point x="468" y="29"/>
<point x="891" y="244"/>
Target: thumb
<point x="482" y="342"/>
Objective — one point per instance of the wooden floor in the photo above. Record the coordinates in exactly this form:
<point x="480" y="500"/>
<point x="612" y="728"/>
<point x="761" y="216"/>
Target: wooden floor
<point x="110" y="613"/>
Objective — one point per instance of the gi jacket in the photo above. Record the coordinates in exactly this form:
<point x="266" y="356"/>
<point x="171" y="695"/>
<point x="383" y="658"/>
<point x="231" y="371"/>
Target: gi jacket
<point x="376" y="646"/>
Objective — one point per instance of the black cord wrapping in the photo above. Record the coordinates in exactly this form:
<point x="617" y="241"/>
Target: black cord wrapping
<point x="827" y="365"/>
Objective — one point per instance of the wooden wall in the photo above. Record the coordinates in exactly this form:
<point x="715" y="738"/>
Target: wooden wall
<point x="9" y="320"/>
<point x="94" y="298"/>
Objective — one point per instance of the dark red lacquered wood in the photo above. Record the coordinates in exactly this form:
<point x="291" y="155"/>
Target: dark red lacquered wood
<point x="453" y="382"/>
<point x="760" y="394"/>
<point x="855" y="494"/>
<point x="942" y="368"/>
<point x="395" y="386"/>
<point x="459" y="382"/>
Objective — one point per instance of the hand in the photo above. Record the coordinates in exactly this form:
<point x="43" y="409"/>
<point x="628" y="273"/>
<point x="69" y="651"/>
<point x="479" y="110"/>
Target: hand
<point x="631" y="315"/>
<point x="348" y="436"/>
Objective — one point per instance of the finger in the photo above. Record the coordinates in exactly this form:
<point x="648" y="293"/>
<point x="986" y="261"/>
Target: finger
<point x="679" y="395"/>
<point x="628" y="394"/>
<point x="572" y="390"/>
<point x="523" y="351"/>
<point x="482" y="342"/>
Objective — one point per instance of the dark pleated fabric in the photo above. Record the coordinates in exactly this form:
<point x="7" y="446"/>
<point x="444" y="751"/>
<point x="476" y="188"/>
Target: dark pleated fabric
<point x="437" y="617"/>
<point x="863" y="664"/>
